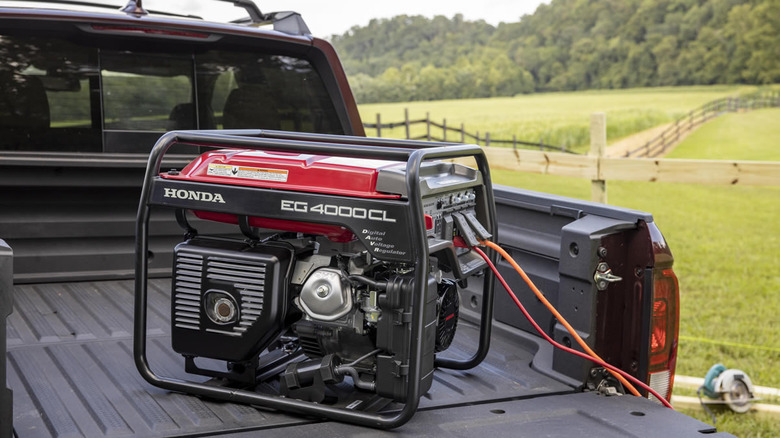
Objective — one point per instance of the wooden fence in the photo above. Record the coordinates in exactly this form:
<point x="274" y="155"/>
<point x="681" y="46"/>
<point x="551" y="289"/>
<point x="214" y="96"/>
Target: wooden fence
<point x="600" y="169"/>
<point x="454" y="134"/>
<point x="659" y="145"/>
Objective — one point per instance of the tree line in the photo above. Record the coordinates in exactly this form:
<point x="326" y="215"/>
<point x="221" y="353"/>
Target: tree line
<point x="565" y="45"/>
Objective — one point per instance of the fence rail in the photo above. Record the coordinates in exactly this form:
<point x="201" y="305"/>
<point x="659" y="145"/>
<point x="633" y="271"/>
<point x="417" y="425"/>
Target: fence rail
<point x="750" y="173"/>
<point x="682" y="126"/>
<point x="599" y="168"/>
<point x="461" y="135"/>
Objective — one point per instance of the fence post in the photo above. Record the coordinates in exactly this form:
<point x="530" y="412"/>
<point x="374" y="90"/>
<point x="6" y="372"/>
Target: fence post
<point x="514" y="142"/>
<point x="598" y="145"/>
<point x="487" y="139"/>
<point x="677" y="130"/>
<point x="406" y="122"/>
<point x="428" y="126"/>
<point x="663" y="141"/>
<point x="444" y="130"/>
<point x="378" y="125"/>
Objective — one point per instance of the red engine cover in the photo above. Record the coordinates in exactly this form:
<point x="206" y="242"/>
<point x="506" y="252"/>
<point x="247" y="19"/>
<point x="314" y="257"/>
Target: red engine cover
<point x="299" y="172"/>
<point x="288" y="171"/>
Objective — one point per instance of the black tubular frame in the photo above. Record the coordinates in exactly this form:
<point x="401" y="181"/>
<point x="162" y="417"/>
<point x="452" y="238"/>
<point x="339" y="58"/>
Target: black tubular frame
<point x="411" y="152"/>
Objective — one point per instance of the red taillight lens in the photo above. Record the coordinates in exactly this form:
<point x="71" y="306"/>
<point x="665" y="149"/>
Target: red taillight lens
<point x="658" y="336"/>
<point x="663" y="331"/>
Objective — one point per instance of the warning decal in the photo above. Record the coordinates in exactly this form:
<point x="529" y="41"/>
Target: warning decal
<point x="255" y="173"/>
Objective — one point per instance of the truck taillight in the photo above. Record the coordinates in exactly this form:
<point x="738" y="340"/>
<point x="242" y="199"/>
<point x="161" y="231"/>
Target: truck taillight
<point x="663" y="331"/>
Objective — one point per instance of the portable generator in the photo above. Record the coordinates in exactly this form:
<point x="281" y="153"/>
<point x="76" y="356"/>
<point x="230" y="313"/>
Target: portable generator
<point x="340" y="285"/>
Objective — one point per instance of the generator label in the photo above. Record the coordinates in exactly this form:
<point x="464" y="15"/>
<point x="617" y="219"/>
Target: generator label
<point x="344" y="211"/>
<point x="376" y="240"/>
<point x="244" y="172"/>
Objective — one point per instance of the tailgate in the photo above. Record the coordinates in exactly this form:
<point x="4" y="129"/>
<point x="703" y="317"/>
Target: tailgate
<point x="560" y="242"/>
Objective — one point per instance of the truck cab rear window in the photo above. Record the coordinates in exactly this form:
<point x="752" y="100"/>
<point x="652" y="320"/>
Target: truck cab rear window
<point x="57" y="95"/>
<point x="142" y="92"/>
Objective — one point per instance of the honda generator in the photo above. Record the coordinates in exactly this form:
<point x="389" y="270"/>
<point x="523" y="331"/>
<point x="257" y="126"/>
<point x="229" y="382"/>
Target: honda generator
<point x="338" y="292"/>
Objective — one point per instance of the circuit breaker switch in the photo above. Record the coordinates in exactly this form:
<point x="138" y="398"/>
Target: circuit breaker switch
<point x="428" y="222"/>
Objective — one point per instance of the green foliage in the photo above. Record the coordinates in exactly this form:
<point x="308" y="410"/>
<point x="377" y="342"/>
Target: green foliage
<point x="566" y="45"/>
<point x="386" y="43"/>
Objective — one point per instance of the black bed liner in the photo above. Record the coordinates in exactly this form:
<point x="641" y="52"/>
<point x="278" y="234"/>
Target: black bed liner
<point x="72" y="373"/>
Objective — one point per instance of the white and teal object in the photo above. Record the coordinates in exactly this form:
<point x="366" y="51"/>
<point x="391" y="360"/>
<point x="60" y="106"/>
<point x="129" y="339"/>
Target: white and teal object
<point x="731" y="387"/>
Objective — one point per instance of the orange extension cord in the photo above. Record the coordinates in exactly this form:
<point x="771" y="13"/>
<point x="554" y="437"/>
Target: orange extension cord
<point x="557" y="315"/>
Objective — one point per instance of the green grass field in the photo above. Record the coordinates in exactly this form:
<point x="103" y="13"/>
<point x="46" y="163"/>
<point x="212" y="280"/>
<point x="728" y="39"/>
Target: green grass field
<point x="725" y="239"/>
<point x="737" y="136"/>
<point x="555" y="118"/>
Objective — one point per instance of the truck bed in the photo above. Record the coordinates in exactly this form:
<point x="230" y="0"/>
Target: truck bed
<point x="71" y="369"/>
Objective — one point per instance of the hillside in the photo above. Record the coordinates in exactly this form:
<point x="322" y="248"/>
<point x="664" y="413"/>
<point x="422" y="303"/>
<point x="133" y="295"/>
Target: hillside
<point x="566" y="45"/>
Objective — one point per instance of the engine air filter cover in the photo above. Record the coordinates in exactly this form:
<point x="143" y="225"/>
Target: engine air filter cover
<point x="326" y="295"/>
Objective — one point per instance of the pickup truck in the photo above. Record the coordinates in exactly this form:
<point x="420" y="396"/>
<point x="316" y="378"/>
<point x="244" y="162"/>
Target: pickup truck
<point x="88" y="90"/>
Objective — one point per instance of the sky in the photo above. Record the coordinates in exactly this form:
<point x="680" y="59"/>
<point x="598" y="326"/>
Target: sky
<point x="326" y="18"/>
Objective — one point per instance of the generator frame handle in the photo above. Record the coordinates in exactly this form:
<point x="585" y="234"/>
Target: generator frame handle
<point x="413" y="153"/>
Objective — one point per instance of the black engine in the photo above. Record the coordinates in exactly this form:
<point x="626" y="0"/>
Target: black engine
<point x="331" y="302"/>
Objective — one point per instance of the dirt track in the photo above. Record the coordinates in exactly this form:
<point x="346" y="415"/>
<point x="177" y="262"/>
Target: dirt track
<point x="621" y="146"/>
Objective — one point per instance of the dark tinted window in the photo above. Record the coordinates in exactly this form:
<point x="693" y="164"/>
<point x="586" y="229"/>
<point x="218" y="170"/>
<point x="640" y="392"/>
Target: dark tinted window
<point x="248" y="90"/>
<point x="45" y="99"/>
<point x="142" y="92"/>
<point x="59" y="96"/>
